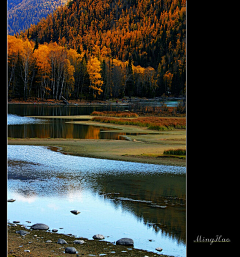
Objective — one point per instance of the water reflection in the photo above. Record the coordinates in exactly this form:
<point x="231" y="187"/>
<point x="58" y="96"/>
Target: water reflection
<point x="24" y="127"/>
<point x="58" y="110"/>
<point x="118" y="199"/>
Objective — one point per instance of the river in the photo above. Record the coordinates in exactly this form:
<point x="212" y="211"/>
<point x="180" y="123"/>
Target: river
<point x="118" y="199"/>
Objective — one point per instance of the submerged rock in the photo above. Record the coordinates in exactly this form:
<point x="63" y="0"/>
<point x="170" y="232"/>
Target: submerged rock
<point x="76" y="212"/>
<point x="61" y="241"/>
<point x="71" y="250"/>
<point x="125" y="241"/>
<point x="98" y="236"/>
<point x="40" y="226"/>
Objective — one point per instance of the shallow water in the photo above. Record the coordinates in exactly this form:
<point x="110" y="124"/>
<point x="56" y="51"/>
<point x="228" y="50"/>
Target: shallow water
<point x="117" y="199"/>
<point x="25" y="127"/>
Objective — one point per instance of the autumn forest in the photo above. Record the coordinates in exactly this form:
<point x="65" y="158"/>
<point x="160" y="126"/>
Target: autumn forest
<point x="101" y="49"/>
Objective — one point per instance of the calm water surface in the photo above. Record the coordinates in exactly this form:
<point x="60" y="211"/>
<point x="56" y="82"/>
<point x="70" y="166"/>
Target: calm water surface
<point x="117" y="199"/>
<point x="26" y="127"/>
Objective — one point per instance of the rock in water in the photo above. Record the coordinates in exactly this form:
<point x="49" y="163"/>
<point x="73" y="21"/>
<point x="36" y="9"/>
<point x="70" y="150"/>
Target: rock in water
<point x="40" y="226"/>
<point x="71" y="250"/>
<point x="54" y="230"/>
<point x="125" y="241"/>
<point x="11" y="200"/>
<point x="98" y="236"/>
<point x="76" y="212"/>
<point x="159" y="249"/>
<point x="61" y="241"/>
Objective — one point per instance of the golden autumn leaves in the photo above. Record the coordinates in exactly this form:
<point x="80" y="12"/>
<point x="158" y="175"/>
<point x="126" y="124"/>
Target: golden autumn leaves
<point x="56" y="67"/>
<point x="94" y="69"/>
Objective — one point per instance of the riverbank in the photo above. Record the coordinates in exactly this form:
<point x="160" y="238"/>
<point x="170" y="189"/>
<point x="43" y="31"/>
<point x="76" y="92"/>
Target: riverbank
<point x="106" y="149"/>
<point x="36" y="243"/>
<point x="140" y="145"/>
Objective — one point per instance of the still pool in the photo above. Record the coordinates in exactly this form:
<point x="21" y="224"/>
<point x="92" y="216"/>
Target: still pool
<point x="145" y="202"/>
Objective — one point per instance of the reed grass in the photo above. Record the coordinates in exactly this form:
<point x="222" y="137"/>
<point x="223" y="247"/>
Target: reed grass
<point x="115" y="114"/>
<point x="155" y="123"/>
<point x="175" y="152"/>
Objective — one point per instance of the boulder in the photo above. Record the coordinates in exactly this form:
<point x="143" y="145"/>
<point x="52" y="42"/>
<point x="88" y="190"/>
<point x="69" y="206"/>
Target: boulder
<point x="125" y="241"/>
<point x="40" y="226"/>
<point x="98" y="236"/>
<point x="54" y="230"/>
<point x="61" y="241"/>
<point x="71" y="250"/>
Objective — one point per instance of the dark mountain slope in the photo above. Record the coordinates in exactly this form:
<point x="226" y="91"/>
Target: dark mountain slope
<point x="23" y="13"/>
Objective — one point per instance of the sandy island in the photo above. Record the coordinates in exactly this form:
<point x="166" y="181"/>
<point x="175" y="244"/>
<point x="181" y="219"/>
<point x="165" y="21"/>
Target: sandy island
<point x="138" y="147"/>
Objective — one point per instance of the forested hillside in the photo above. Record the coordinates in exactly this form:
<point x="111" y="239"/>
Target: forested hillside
<point x="103" y="49"/>
<point x="23" y="13"/>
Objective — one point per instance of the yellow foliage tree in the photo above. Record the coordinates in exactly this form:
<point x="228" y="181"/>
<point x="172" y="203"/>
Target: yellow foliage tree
<point x="94" y="69"/>
<point x="42" y="60"/>
<point x="26" y="61"/>
<point x="14" y="48"/>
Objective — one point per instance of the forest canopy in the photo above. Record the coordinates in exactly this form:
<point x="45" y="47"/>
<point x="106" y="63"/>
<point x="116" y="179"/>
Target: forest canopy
<point x="102" y="49"/>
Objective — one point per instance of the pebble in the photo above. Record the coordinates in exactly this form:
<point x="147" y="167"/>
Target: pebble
<point x="98" y="236"/>
<point x="61" y="241"/>
<point x="22" y="232"/>
<point x="159" y="249"/>
<point x="40" y="226"/>
<point x="27" y="251"/>
<point x="125" y="241"/>
<point x="11" y="200"/>
<point x="49" y="241"/>
<point x="71" y="250"/>
<point x="80" y="242"/>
